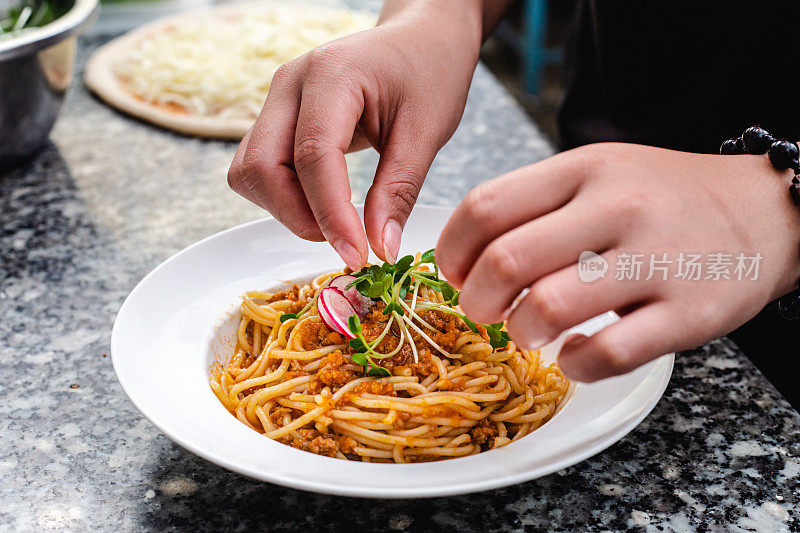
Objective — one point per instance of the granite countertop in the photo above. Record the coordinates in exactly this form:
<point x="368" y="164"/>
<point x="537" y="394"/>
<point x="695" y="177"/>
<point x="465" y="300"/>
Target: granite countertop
<point x="111" y="197"/>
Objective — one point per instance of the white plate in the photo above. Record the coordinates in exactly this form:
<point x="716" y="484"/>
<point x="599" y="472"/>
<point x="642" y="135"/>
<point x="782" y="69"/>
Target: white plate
<point x="177" y="320"/>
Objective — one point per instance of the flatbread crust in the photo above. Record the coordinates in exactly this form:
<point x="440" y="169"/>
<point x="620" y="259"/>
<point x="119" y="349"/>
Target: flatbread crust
<point x="100" y="79"/>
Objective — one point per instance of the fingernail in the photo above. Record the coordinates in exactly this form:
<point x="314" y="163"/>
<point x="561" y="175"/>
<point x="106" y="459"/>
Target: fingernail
<point x="349" y="255"/>
<point x="527" y="342"/>
<point x="535" y="335"/>
<point x="569" y="365"/>
<point x="535" y="343"/>
<point x="391" y="240"/>
<point x="575" y="339"/>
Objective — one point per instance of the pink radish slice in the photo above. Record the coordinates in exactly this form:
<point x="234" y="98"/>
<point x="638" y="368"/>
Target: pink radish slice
<point x="334" y="309"/>
<point x="360" y="303"/>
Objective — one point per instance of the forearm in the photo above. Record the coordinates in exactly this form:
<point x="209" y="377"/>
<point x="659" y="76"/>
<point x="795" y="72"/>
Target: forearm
<point x="475" y="18"/>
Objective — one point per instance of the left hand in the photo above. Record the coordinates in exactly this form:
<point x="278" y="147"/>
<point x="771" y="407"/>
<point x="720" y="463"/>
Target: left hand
<point x="527" y="229"/>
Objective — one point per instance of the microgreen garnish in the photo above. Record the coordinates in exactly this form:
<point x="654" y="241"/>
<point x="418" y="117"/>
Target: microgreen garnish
<point x="391" y="283"/>
<point x="363" y="350"/>
<point x="498" y="338"/>
<point x="428" y="257"/>
<point x="393" y="307"/>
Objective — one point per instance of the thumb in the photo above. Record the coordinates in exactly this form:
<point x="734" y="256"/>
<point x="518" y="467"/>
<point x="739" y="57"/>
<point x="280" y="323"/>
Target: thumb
<point x="405" y="160"/>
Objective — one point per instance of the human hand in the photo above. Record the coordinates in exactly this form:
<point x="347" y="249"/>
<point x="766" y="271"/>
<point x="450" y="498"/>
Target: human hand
<point x="527" y="229"/>
<point x="400" y="87"/>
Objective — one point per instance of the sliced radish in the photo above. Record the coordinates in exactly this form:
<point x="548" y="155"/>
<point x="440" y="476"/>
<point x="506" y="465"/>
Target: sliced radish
<point x="342" y="281"/>
<point x="334" y="309"/>
<point x="360" y="303"/>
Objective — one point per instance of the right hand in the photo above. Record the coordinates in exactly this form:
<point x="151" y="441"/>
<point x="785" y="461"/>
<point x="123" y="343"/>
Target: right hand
<point x="400" y="87"/>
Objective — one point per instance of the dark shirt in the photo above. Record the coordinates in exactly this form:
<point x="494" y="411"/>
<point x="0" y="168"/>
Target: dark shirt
<point x="681" y="74"/>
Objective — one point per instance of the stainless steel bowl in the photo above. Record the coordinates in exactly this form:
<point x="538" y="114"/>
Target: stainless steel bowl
<point x="35" y="71"/>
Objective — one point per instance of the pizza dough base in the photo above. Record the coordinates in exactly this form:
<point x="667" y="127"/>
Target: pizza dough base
<point x="100" y="79"/>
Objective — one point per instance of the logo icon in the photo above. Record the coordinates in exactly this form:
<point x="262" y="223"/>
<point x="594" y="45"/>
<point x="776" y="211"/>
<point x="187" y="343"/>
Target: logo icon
<point x="591" y="267"/>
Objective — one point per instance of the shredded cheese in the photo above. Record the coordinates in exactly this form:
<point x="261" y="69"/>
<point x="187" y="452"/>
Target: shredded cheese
<point x="220" y="64"/>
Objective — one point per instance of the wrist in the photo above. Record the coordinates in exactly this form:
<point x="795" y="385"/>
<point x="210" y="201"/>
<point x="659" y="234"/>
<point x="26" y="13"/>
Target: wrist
<point x="785" y="225"/>
<point x="783" y="174"/>
<point x="454" y="24"/>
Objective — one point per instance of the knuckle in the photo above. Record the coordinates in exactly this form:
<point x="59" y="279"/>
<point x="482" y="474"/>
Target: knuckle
<point x="612" y="356"/>
<point x="601" y="153"/>
<point x="710" y="314"/>
<point x="309" y="150"/>
<point x="283" y="73"/>
<point x="586" y="159"/>
<point x="404" y="191"/>
<point x="307" y="232"/>
<point x="323" y="58"/>
<point x="326" y="216"/>
<point x="235" y="175"/>
<point x="254" y="167"/>
<point x="593" y="159"/>
<point x="482" y="203"/>
<point x="503" y="263"/>
<point x="631" y="206"/>
<point x="547" y="305"/>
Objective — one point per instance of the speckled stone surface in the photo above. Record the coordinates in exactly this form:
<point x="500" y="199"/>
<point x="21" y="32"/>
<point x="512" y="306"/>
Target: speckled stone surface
<point x="111" y="197"/>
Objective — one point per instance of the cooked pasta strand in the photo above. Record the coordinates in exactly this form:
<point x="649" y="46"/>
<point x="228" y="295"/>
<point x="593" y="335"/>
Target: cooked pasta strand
<point x="294" y="381"/>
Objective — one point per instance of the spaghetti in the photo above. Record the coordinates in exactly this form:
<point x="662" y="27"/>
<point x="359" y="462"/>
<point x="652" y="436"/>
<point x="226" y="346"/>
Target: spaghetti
<point x="449" y="392"/>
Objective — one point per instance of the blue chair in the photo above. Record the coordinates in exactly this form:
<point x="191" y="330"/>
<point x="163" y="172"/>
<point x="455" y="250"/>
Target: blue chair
<point x="529" y="42"/>
<point x="535" y="55"/>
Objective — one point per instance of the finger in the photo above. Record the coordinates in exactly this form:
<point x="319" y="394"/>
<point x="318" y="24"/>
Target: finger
<point x="237" y="165"/>
<point x="404" y="163"/>
<point x="359" y="141"/>
<point x="267" y="177"/>
<point x="497" y="206"/>
<point x="325" y="124"/>
<point x="641" y="336"/>
<point x="561" y="300"/>
<point x="518" y="258"/>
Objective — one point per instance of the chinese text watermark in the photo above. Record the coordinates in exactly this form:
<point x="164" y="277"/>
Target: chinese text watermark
<point x="662" y="266"/>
